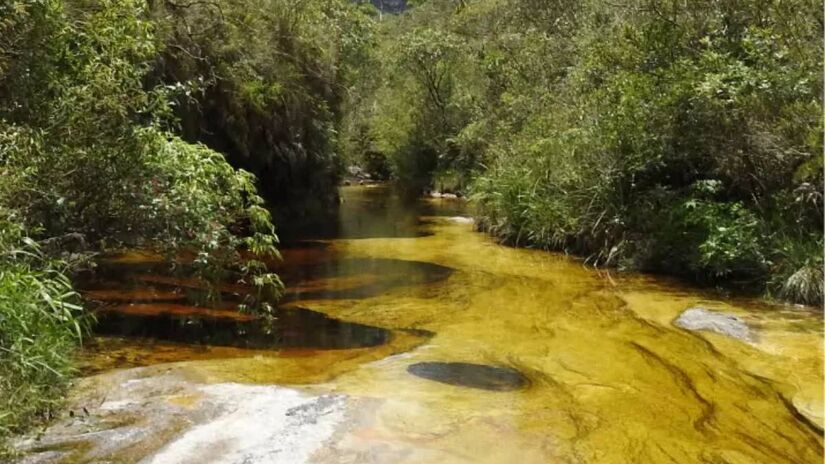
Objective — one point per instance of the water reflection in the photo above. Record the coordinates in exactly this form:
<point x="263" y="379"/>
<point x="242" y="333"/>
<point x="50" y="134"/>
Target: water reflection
<point x="356" y="278"/>
<point x="292" y="328"/>
<point x="152" y="299"/>
<point x="376" y="212"/>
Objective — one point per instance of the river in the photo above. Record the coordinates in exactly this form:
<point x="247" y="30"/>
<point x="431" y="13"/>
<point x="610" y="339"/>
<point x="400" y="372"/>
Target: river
<point x="407" y="337"/>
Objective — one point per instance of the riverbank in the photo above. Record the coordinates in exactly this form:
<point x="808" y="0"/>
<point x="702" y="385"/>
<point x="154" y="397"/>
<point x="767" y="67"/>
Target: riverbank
<point x="637" y="138"/>
<point x="734" y="289"/>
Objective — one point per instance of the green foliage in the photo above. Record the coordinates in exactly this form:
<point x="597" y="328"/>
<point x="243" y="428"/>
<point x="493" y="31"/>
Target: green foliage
<point x="376" y="165"/>
<point x="40" y="322"/>
<point x="670" y="136"/>
<point x="73" y="155"/>
<point x="274" y="74"/>
<point x="710" y="238"/>
<point x="410" y="110"/>
<point x="87" y="151"/>
<point x="198" y="201"/>
<point x="798" y="275"/>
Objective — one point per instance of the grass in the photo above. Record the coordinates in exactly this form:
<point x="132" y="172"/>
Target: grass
<point x="41" y="324"/>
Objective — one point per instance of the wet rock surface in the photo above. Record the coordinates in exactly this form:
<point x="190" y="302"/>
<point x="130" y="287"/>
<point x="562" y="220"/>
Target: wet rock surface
<point x="698" y="318"/>
<point x="257" y="424"/>
<point x="479" y="376"/>
<point x="132" y="416"/>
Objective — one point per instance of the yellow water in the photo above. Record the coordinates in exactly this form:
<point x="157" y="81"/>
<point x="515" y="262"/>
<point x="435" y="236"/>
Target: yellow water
<point x="611" y="380"/>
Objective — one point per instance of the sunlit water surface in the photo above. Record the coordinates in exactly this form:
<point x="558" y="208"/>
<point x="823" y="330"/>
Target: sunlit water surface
<point x="476" y="352"/>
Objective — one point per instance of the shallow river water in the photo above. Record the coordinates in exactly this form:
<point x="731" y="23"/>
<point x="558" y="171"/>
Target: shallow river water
<point x="423" y="341"/>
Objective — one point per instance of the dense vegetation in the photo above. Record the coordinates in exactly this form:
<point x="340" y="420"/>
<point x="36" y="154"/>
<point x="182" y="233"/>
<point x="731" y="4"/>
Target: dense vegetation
<point x="679" y="137"/>
<point x="111" y="113"/>
<point x="271" y="77"/>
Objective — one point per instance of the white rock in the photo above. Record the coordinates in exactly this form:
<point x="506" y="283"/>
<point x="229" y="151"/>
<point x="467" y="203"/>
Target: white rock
<point x="721" y="323"/>
<point x="260" y="424"/>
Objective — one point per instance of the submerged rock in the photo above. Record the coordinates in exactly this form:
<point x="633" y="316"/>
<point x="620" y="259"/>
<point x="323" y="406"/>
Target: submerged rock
<point x="470" y="375"/>
<point x="726" y="324"/>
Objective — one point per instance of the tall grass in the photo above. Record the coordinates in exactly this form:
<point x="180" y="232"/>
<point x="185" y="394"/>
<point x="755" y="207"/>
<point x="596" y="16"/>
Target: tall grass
<point x="799" y="275"/>
<point x="40" y="325"/>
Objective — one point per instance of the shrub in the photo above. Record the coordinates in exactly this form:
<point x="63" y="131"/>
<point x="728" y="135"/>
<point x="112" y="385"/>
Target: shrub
<point x="798" y="270"/>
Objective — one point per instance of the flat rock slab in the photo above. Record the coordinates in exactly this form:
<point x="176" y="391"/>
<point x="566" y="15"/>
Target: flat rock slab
<point x="714" y="321"/>
<point x="470" y="375"/>
<point x="167" y="418"/>
<point x="257" y="424"/>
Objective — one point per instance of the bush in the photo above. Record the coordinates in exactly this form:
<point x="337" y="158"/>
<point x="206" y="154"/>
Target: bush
<point x="798" y="273"/>
<point x="708" y="239"/>
<point x="376" y="165"/>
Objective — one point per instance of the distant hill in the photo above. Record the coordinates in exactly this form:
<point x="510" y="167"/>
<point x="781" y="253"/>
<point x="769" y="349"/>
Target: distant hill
<point x="390" y="6"/>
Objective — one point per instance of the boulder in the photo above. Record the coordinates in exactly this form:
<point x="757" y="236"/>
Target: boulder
<point x="698" y="318"/>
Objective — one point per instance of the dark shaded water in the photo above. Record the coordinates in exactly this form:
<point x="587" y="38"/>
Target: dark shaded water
<point x="377" y="212"/>
<point x="292" y="328"/>
<point x="145" y="298"/>
<point x="368" y="277"/>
